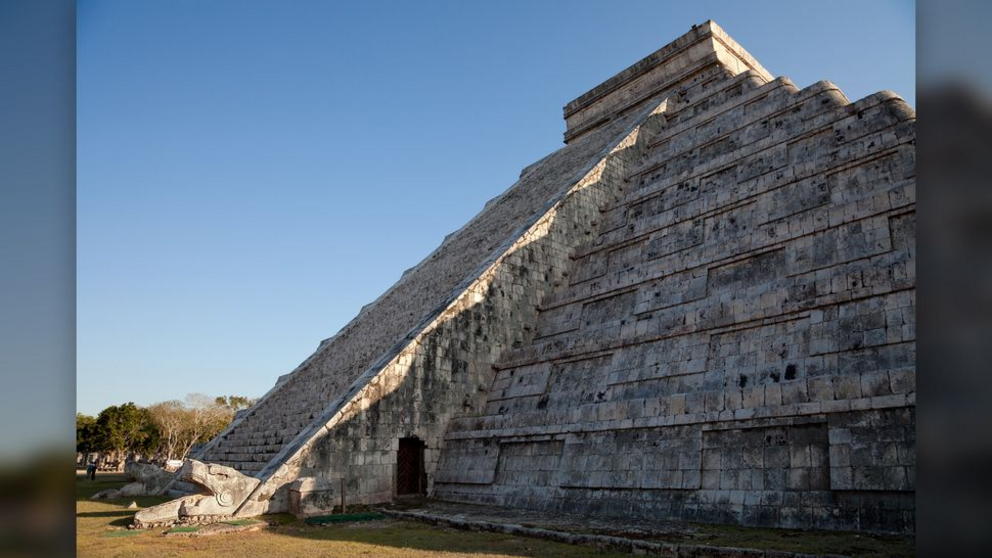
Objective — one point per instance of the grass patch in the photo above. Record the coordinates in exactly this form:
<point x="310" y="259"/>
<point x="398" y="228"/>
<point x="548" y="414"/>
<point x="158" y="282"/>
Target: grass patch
<point x="122" y="533"/>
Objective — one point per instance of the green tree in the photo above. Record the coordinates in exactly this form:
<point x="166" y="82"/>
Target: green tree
<point x="170" y="428"/>
<point x="87" y="434"/>
<point x="124" y="428"/>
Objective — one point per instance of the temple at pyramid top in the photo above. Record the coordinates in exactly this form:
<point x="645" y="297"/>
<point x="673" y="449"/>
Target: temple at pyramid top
<point x="705" y="50"/>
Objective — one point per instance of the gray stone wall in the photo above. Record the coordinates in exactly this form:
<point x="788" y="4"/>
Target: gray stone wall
<point x="737" y="344"/>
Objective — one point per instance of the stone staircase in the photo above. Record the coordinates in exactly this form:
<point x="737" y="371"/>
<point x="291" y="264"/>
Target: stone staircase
<point x="276" y="421"/>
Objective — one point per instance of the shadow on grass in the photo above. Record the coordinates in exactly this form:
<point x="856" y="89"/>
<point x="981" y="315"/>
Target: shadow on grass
<point x="421" y="538"/>
<point x="805" y="541"/>
<point x="122" y="517"/>
<point x="105" y="514"/>
<point x="699" y="535"/>
<point x="123" y="521"/>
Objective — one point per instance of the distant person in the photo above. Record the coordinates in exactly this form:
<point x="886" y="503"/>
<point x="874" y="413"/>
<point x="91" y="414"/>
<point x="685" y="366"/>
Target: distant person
<point x="91" y="470"/>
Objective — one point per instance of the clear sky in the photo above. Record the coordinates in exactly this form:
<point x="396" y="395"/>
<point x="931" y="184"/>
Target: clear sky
<point x="250" y="174"/>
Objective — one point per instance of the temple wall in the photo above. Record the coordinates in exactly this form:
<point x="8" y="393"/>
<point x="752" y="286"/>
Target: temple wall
<point x="703" y="52"/>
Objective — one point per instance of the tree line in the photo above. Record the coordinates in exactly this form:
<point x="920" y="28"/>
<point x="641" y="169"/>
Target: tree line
<point x="163" y="431"/>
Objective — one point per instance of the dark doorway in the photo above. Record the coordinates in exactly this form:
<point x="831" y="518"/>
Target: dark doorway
<point x="410" y="476"/>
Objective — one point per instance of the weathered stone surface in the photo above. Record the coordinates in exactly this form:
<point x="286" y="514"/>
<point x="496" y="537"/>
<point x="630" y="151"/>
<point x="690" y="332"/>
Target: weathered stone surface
<point x="310" y="496"/>
<point x="149" y="480"/>
<point x="153" y="478"/>
<point x="701" y="308"/>
<point x="690" y="56"/>
<point x="225" y="488"/>
<point x="743" y="302"/>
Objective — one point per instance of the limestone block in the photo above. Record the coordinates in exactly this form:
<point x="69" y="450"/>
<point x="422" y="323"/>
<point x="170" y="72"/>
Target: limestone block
<point x="309" y="496"/>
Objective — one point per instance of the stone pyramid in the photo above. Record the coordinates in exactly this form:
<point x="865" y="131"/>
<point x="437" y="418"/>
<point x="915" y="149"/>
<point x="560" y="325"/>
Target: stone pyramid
<point x="700" y="308"/>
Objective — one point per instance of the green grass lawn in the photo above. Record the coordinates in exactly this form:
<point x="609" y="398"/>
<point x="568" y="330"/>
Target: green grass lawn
<point x="101" y="531"/>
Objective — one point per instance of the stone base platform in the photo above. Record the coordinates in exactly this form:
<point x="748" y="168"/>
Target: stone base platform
<point x="650" y="538"/>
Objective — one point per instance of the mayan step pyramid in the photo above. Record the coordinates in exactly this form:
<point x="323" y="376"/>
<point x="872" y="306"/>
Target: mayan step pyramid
<point x="700" y="308"/>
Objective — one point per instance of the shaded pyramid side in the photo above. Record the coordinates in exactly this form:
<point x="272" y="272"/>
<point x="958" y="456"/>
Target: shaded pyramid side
<point x="704" y="55"/>
<point x="393" y="319"/>
<point x="444" y="368"/>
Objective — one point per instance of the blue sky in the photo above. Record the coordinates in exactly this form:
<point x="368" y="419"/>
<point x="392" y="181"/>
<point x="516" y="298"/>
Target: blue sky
<point x="250" y="174"/>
